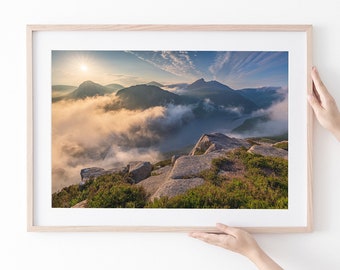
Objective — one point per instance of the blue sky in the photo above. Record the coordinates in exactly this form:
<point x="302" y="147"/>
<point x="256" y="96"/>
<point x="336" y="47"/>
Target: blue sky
<point x="237" y="69"/>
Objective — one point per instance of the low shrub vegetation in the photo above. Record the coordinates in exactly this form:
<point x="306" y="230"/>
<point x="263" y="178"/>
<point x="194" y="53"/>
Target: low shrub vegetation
<point x="108" y="191"/>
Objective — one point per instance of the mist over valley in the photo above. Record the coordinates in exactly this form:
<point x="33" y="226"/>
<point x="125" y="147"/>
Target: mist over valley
<point x="110" y="125"/>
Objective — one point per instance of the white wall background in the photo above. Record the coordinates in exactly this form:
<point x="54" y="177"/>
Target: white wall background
<point x="22" y="250"/>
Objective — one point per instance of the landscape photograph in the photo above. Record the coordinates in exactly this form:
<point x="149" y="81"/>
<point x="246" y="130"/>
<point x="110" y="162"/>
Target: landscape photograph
<point x="169" y="129"/>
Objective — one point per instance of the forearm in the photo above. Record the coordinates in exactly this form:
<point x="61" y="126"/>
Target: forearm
<point x="263" y="261"/>
<point x="336" y="128"/>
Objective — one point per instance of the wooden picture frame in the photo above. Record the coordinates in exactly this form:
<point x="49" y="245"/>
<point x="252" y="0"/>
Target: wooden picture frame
<point x="294" y="39"/>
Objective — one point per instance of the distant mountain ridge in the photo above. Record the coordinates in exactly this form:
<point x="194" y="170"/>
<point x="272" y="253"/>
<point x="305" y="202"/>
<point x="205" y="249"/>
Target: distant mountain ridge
<point x="144" y="96"/>
<point x="59" y="91"/>
<point x="264" y="97"/>
<point x="63" y="87"/>
<point x="199" y="92"/>
<point x="87" y="89"/>
<point x="177" y="85"/>
<point x="220" y="94"/>
<point x="115" y="86"/>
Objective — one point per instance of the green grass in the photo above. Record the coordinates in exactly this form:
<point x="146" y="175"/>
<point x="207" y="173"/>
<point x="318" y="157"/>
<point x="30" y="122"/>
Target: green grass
<point x="282" y="145"/>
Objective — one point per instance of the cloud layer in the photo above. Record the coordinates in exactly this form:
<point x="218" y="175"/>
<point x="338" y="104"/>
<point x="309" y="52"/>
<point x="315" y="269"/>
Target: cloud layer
<point x="85" y="135"/>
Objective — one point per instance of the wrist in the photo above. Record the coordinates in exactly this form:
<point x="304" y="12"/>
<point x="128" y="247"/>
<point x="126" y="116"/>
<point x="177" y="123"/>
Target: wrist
<point x="256" y="255"/>
<point x="263" y="261"/>
<point x="337" y="135"/>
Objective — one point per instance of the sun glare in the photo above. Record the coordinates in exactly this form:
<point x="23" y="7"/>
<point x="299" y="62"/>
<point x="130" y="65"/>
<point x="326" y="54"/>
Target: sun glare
<point x="83" y="68"/>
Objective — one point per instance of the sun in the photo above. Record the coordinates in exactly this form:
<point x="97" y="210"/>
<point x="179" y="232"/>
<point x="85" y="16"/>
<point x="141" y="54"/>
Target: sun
<point x="83" y="67"/>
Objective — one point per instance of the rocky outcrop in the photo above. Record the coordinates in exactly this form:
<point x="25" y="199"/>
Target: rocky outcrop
<point x="217" y="141"/>
<point x="154" y="182"/>
<point x="139" y="170"/>
<point x="174" y="158"/>
<point x="93" y="172"/>
<point x="268" y="151"/>
<point x="191" y="166"/>
<point x="184" y="173"/>
<point x="186" y="170"/>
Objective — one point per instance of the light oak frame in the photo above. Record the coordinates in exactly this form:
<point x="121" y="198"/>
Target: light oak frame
<point x="31" y="29"/>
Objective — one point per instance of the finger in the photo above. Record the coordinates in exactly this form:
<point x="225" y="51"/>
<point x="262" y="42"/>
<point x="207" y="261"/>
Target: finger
<point x="315" y="103"/>
<point x="315" y="93"/>
<point x="226" y="229"/>
<point x="209" y="238"/>
<point x="221" y="240"/>
<point x="320" y="88"/>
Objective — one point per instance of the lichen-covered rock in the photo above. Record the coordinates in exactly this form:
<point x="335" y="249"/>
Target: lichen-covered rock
<point x="174" y="158"/>
<point x="93" y="172"/>
<point x="192" y="166"/>
<point x="217" y="141"/>
<point x="153" y="183"/>
<point x="174" y="187"/>
<point x="269" y="151"/>
<point x="139" y="170"/>
<point x="185" y="174"/>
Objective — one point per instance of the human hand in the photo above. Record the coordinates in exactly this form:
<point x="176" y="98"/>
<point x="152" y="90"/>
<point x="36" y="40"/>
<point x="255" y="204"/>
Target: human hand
<point x="239" y="241"/>
<point x="324" y="105"/>
<point x="231" y="238"/>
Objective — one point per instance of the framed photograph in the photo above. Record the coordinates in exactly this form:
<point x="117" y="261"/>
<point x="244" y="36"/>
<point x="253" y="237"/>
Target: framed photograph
<point x="169" y="127"/>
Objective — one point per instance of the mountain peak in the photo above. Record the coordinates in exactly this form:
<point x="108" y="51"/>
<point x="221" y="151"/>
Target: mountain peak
<point x="217" y="84"/>
<point x="144" y="96"/>
<point x="88" y="89"/>
<point x="197" y="84"/>
<point x="201" y="80"/>
<point x="154" y="83"/>
<point x="201" y="83"/>
<point x="88" y="83"/>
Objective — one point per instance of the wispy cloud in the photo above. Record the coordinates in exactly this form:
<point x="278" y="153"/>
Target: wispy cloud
<point x="236" y="68"/>
<point x="177" y="63"/>
<point x="221" y="60"/>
